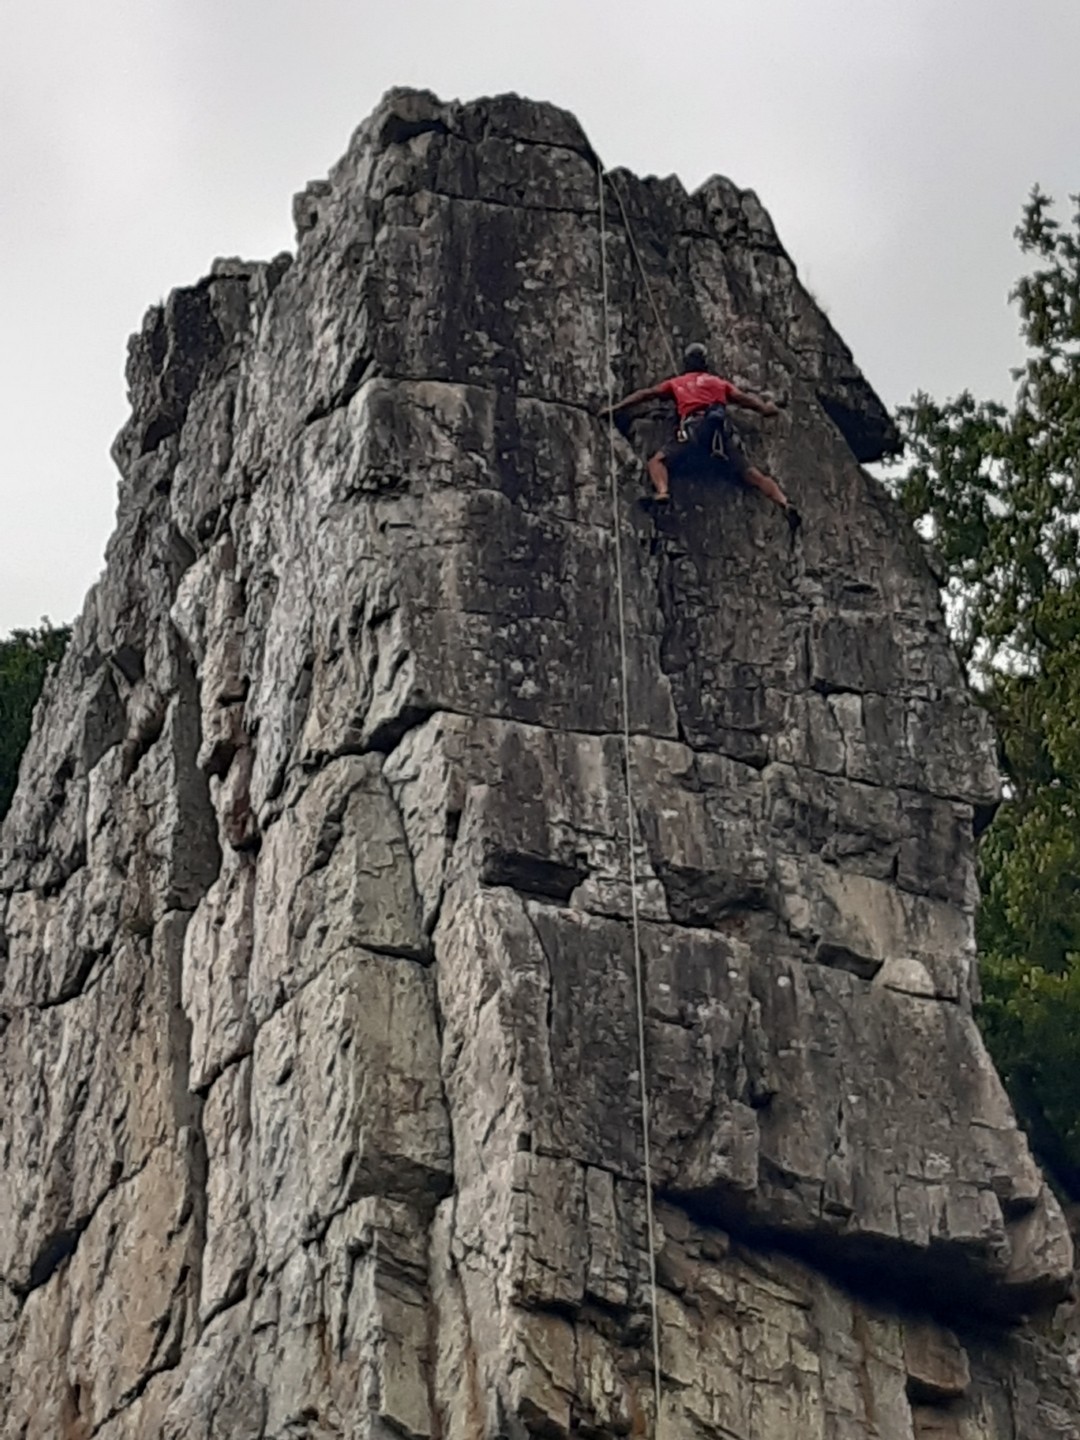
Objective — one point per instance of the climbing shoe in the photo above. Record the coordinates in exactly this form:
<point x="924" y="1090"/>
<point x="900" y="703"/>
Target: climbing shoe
<point x="794" y="519"/>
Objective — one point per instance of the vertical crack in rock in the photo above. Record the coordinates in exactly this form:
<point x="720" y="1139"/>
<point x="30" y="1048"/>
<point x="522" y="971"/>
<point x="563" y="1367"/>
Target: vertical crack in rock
<point x="195" y="873"/>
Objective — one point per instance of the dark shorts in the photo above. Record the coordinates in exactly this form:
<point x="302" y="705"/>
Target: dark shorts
<point x="707" y="433"/>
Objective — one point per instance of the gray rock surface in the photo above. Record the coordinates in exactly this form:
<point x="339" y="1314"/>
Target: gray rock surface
<point x="320" y="1105"/>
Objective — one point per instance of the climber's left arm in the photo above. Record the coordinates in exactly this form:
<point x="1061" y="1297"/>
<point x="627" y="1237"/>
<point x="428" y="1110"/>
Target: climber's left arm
<point x="754" y="402"/>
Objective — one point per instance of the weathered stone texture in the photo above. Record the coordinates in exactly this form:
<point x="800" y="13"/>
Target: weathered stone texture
<point x="321" y="1096"/>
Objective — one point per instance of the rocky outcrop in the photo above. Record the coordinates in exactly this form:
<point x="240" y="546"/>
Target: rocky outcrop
<point x="321" y="1097"/>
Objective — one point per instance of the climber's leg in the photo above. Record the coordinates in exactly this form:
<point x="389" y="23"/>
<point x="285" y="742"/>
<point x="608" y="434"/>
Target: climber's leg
<point x="766" y="484"/>
<point x="768" y="487"/>
<point x="757" y="479"/>
<point x="658" y="474"/>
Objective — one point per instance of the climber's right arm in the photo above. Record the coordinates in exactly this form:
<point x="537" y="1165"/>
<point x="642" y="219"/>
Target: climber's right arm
<point x="654" y="392"/>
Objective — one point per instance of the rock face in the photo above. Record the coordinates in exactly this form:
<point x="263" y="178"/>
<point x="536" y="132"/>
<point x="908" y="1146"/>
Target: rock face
<point x="321" y="1099"/>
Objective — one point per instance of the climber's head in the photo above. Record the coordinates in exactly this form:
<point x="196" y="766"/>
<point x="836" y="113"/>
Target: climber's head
<point x="695" y="358"/>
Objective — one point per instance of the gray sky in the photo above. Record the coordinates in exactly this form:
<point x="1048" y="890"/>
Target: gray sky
<point x="893" y="142"/>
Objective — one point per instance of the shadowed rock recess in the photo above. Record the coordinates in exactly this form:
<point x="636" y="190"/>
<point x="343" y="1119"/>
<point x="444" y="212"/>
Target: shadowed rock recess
<point x="320" y="1110"/>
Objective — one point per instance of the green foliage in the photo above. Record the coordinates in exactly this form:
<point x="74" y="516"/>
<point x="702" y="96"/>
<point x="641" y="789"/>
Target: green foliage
<point x="24" y="659"/>
<point x="997" y="490"/>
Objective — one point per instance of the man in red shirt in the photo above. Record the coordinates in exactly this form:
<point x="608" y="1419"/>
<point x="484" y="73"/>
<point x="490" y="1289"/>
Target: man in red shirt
<point x="701" y="399"/>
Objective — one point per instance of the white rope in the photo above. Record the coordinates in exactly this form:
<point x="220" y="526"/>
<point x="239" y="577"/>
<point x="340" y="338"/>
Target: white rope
<point x="639" y="981"/>
<point x="641" y="266"/>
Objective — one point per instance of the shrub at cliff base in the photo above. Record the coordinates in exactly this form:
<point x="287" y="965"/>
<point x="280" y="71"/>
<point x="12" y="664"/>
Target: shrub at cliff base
<point x="997" y="490"/>
<point x="25" y="656"/>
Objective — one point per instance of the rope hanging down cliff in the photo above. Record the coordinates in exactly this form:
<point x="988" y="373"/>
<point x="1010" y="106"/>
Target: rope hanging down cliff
<point x="661" y="330"/>
<point x="631" y="826"/>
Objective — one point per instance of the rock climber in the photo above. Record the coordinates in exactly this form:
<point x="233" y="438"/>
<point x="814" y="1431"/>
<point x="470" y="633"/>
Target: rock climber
<point x="701" y="399"/>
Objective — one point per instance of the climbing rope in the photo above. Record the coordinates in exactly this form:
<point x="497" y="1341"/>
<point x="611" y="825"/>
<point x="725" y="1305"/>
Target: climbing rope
<point x="628" y="771"/>
<point x="661" y="328"/>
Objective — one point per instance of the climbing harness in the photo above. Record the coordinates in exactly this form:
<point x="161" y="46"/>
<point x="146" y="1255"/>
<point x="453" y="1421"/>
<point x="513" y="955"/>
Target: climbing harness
<point x="628" y="768"/>
<point x="688" y="426"/>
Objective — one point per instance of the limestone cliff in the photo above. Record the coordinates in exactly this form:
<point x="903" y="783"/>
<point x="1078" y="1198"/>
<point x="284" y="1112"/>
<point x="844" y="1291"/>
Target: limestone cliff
<point x="321" y="1104"/>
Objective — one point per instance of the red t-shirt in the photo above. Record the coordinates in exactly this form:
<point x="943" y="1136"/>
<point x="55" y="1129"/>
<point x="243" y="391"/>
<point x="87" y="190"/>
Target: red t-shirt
<point x="696" y="390"/>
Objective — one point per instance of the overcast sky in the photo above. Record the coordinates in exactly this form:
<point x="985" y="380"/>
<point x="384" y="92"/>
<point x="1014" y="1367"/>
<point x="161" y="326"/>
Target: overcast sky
<point x="893" y="142"/>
